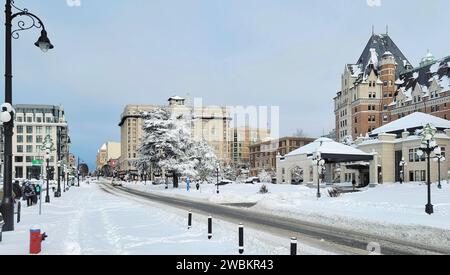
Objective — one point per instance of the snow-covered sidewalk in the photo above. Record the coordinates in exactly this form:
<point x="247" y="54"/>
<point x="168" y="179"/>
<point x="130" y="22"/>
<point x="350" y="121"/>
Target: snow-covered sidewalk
<point x="396" y="211"/>
<point x="90" y="221"/>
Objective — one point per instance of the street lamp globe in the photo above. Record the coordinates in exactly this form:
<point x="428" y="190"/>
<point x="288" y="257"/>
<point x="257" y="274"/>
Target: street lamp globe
<point x="420" y="153"/>
<point x="5" y="117"/>
<point x="44" y="42"/>
<point x="438" y="151"/>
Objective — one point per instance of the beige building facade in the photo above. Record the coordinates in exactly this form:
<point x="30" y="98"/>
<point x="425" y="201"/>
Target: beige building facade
<point x="33" y="123"/>
<point x="109" y="151"/>
<point x="390" y="146"/>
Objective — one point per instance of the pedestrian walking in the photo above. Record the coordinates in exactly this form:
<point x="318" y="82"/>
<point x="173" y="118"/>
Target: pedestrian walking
<point x="28" y="192"/>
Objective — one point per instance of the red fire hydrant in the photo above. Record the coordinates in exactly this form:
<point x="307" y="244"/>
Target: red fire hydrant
<point x="36" y="239"/>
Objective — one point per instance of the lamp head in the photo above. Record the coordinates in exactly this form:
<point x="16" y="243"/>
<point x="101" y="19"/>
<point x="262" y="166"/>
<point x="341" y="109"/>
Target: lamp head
<point x="44" y="42"/>
<point x="438" y="151"/>
<point x="420" y="153"/>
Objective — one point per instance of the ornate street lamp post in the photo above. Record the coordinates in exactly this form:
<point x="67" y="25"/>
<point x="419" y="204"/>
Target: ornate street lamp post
<point x="439" y="157"/>
<point x="58" y="191"/>
<point x="402" y="165"/>
<point x="427" y="146"/>
<point x="7" y="206"/>
<point x="320" y="163"/>
<point x="49" y="147"/>
<point x="218" y="171"/>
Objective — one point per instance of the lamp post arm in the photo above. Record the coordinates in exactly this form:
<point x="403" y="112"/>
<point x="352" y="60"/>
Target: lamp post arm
<point x="35" y="22"/>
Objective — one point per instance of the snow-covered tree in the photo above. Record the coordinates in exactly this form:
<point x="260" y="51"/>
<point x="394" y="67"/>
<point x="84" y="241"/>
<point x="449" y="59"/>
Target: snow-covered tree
<point x="230" y="173"/>
<point x="206" y="160"/>
<point x="167" y="145"/>
<point x="265" y="176"/>
<point x="348" y="140"/>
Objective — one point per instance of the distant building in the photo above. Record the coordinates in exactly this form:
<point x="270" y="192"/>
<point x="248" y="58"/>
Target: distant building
<point x="33" y="123"/>
<point x="131" y="131"/>
<point x="383" y="86"/>
<point x="241" y="139"/>
<point x="109" y="151"/>
<point x="263" y="155"/>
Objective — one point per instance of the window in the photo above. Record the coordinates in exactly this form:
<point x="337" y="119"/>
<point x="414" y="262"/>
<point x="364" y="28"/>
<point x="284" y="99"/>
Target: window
<point x="20" y="129"/>
<point x="29" y="159"/>
<point x="39" y="130"/>
<point x="385" y="107"/>
<point x="39" y="119"/>
<point x="19" y="148"/>
<point x="385" y="83"/>
<point x="29" y="139"/>
<point x="19" y="139"/>
<point x="18" y="159"/>
<point x="411" y="155"/>
<point x="29" y="129"/>
<point x="29" y="119"/>
<point x="39" y="139"/>
<point x="29" y="149"/>
<point x="19" y="119"/>
<point x="48" y="130"/>
<point x="385" y="118"/>
<point x="48" y="119"/>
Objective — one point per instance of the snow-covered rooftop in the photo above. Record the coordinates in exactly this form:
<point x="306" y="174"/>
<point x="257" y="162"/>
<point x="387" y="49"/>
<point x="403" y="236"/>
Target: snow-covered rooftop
<point x="414" y="120"/>
<point x="327" y="146"/>
<point x="176" y="98"/>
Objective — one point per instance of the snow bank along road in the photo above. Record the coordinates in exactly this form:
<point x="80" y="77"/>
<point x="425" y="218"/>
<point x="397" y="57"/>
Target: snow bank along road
<point x="326" y="237"/>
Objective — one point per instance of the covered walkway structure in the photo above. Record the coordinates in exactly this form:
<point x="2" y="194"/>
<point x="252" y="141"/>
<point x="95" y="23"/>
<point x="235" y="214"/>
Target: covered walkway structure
<point x="334" y="154"/>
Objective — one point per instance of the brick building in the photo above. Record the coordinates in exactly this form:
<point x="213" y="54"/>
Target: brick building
<point x="383" y="86"/>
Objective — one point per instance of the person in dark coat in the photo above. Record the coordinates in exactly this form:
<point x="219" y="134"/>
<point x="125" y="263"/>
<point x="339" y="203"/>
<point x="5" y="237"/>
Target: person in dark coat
<point x="17" y="190"/>
<point x="28" y="192"/>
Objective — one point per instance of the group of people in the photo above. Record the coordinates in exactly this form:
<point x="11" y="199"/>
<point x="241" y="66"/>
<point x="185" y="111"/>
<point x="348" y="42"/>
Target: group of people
<point x="28" y="191"/>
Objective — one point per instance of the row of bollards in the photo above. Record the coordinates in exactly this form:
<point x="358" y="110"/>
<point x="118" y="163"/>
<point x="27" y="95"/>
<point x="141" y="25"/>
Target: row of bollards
<point x="294" y="242"/>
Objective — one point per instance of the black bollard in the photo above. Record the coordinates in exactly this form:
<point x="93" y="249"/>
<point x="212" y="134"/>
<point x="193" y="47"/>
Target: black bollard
<point x="293" y="246"/>
<point x="19" y="208"/>
<point x="241" y="239"/>
<point x="210" y="228"/>
<point x="189" y="220"/>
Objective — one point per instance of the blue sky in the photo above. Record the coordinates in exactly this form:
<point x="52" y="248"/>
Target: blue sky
<point x="288" y="53"/>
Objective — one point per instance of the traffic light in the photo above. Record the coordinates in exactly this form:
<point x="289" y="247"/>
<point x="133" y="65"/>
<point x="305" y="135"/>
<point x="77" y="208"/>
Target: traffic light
<point x="38" y="190"/>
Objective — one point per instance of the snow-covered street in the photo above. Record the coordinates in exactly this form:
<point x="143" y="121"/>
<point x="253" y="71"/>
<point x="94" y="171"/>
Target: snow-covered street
<point x="89" y="220"/>
<point x="393" y="210"/>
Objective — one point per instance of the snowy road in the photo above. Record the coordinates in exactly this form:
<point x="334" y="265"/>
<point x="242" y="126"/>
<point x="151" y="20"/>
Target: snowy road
<point x="327" y="237"/>
<point x="90" y="221"/>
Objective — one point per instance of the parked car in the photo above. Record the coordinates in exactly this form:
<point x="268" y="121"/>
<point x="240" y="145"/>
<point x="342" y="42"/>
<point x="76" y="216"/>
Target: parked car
<point x="252" y="180"/>
<point x="225" y="182"/>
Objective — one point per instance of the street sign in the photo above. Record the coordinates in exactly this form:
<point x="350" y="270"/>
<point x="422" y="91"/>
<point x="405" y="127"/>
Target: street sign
<point x="37" y="162"/>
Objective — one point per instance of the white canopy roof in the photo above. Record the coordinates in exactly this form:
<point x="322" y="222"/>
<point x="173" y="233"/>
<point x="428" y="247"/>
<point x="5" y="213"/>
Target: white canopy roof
<point x="414" y="120"/>
<point x="327" y="146"/>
